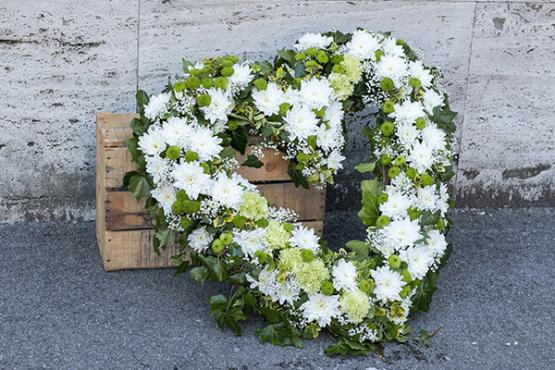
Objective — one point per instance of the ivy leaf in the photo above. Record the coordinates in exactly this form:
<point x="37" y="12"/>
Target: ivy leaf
<point x="139" y="126"/>
<point x="133" y="148"/>
<point x="142" y="100"/>
<point x="228" y="313"/>
<point x="165" y="238"/>
<point x="287" y="55"/>
<point x="280" y="334"/>
<point x="200" y="274"/>
<point x="239" y="138"/>
<point x="214" y="266"/>
<point x="370" y="210"/>
<point x="137" y="184"/>
<point x="365" y="167"/>
<point x="297" y="176"/>
<point x="253" y="161"/>
<point x="359" y="247"/>
<point x="444" y="117"/>
<point x="347" y="347"/>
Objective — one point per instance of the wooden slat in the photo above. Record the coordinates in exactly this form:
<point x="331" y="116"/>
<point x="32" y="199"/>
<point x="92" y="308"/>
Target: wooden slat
<point x="274" y="168"/>
<point x="115" y="128"/>
<point x="117" y="163"/>
<point x="124" y="212"/>
<point x="100" y="191"/>
<point x="318" y="226"/>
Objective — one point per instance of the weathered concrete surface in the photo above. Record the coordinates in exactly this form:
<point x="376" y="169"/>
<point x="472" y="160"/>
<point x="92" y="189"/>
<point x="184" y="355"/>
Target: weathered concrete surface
<point x="494" y="306"/>
<point x="61" y="61"/>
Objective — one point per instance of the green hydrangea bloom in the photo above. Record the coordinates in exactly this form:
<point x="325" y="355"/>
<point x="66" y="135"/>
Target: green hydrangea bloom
<point x="254" y="206"/>
<point x="353" y="69"/>
<point x="290" y="259"/>
<point x="354" y="303"/>
<point x="341" y="85"/>
<point x="311" y="275"/>
<point x="276" y="236"/>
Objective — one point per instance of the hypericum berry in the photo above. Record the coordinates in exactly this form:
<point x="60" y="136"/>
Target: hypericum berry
<point x="378" y="54"/>
<point x="393" y="172"/>
<point x="308" y="255"/>
<point x="226" y="238"/>
<point x="311" y="63"/>
<point x="411" y="173"/>
<point x="414" y="82"/>
<point x="405" y="291"/>
<point x="420" y="123"/>
<point x="186" y="223"/>
<point x="440" y="225"/>
<point x="221" y="83"/>
<point x="337" y="58"/>
<point x="260" y="84"/>
<point x="382" y="221"/>
<point x="217" y="246"/>
<point x="193" y="82"/>
<point x="191" y="156"/>
<point x="388" y="107"/>
<point x="399" y="161"/>
<point x="284" y="108"/>
<point x="322" y="57"/>
<point x="227" y="71"/>
<point x="173" y="152"/>
<point x="204" y="100"/>
<point x="207" y="82"/>
<point x="261" y="256"/>
<point x="385" y="159"/>
<point x="426" y="179"/>
<point x="407" y="278"/>
<point x="413" y="213"/>
<point x="300" y="56"/>
<point x="394" y="261"/>
<point x="366" y="285"/>
<point x="387" y="128"/>
<point x="311" y="51"/>
<point x="382" y="198"/>
<point x="327" y="287"/>
<point x="387" y="84"/>
<point x="338" y="69"/>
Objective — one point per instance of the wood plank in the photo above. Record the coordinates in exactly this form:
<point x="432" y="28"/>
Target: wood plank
<point x="274" y="168"/>
<point x="100" y="191"/>
<point x="115" y="128"/>
<point x="133" y="249"/>
<point x="318" y="226"/>
<point x="117" y="163"/>
<point x="124" y="212"/>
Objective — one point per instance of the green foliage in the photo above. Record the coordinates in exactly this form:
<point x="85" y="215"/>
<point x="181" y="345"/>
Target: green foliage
<point x="142" y="100"/>
<point x="423" y="296"/>
<point x="370" y="210"/>
<point x="228" y="312"/>
<point x="280" y="334"/>
<point x="137" y="184"/>
<point x="348" y="347"/>
<point x="239" y="138"/>
<point x="360" y="247"/>
<point x="253" y="161"/>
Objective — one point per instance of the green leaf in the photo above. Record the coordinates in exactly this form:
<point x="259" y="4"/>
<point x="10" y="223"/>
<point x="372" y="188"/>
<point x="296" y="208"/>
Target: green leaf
<point x="280" y="334"/>
<point x="215" y="267"/>
<point x="424" y="338"/>
<point x="444" y="118"/>
<point x="347" y="347"/>
<point x="370" y="210"/>
<point x="359" y="247"/>
<point x="200" y="274"/>
<point x="228" y="313"/>
<point x="253" y="161"/>
<point x="165" y="238"/>
<point x="139" y="126"/>
<point x="133" y="148"/>
<point x="239" y="138"/>
<point x="137" y="184"/>
<point x="365" y="167"/>
<point x="142" y="100"/>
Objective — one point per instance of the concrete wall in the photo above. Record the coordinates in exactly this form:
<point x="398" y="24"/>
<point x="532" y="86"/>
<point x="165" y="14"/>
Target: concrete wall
<point x="63" y="60"/>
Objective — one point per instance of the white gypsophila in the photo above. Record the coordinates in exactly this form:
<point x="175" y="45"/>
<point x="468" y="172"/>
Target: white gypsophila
<point x="417" y="69"/>
<point x="199" y="239"/>
<point x="393" y="67"/>
<point x="334" y="160"/>
<point x="402" y="184"/>
<point x="427" y="198"/>
<point x="407" y="133"/>
<point x="316" y="93"/>
<point x="421" y="157"/>
<point x="300" y="123"/>
<point x="152" y="142"/>
<point x="191" y="178"/>
<point x="205" y="143"/>
<point x="304" y="238"/>
<point x="220" y="106"/>
<point x="165" y="195"/>
<point x="433" y="137"/>
<point x="321" y="309"/>
<point x="418" y="259"/>
<point x="313" y="40"/>
<point x="344" y="275"/>
<point x="396" y="205"/>
<point x="334" y="114"/>
<point x="363" y="45"/>
<point x="269" y="100"/>
<point x="388" y="284"/>
<point x="436" y="243"/>
<point x="227" y="191"/>
<point x="282" y="215"/>
<point x="390" y="47"/>
<point x="402" y="233"/>
<point x="177" y="131"/>
<point x="245" y="184"/>
<point x="156" y="106"/>
<point x="432" y="99"/>
<point x="158" y="168"/>
<point x="251" y="241"/>
<point x="241" y="76"/>
<point x="408" y="111"/>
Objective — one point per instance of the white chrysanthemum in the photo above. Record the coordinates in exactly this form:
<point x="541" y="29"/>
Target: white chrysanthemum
<point x="288" y="292"/>
<point x="417" y="69"/>
<point x="407" y="134"/>
<point x="165" y="195"/>
<point x="433" y="137"/>
<point x="176" y="131"/>
<point x="191" y="178"/>
<point x="158" y="168"/>
<point x="266" y="282"/>
<point x="396" y="206"/>
<point x="432" y="99"/>
<point x="304" y="238"/>
<point x="269" y="100"/>
<point x="443" y="201"/>
<point x="227" y="191"/>
<point x="321" y="308"/>
<point x="344" y="275"/>
<point x="393" y="67"/>
<point x="205" y="144"/>
<point x="199" y="240"/>
<point x="334" y="114"/>
<point x="402" y="233"/>
<point x="427" y="198"/>
<point x="388" y="284"/>
<point x="408" y="111"/>
<point x="436" y="243"/>
<point x="316" y="93"/>
<point x="241" y="75"/>
<point x="419" y="259"/>
<point x="330" y="138"/>
<point x="363" y="45"/>
<point x="334" y="160"/>
<point x="301" y="122"/>
<point x="390" y="47"/>
<point x="250" y="241"/>
<point x="220" y="106"/>
<point x="313" y="40"/>
<point x="152" y="143"/>
<point x="421" y="157"/>
<point x="156" y="106"/>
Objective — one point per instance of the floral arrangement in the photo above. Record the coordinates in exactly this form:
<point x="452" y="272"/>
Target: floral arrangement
<point x="185" y="144"/>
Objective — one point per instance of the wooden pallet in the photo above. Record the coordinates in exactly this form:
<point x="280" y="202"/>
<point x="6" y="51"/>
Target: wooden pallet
<point x="124" y="231"/>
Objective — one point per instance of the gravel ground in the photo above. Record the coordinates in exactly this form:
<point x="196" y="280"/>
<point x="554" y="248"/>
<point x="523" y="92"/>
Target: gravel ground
<point x="494" y="308"/>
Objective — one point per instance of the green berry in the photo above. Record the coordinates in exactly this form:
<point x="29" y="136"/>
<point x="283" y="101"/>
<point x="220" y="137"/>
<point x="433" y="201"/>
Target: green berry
<point x="420" y="123"/>
<point x="207" y="82"/>
<point x="217" y="246"/>
<point x="385" y="159"/>
<point x="426" y="179"/>
<point x="204" y="100"/>
<point x="399" y="161"/>
<point x="195" y="71"/>
<point x="378" y="54"/>
<point x="337" y="58"/>
<point x="393" y="172"/>
<point x="177" y="207"/>
<point x="414" y="82"/>
<point x="387" y="128"/>
<point x="413" y="213"/>
<point x="311" y="51"/>
<point x="383" y="221"/>
<point x="300" y="56"/>
<point x="227" y="71"/>
<point x="327" y="287"/>
<point x="407" y="278"/>
<point x="405" y="291"/>
<point x="394" y="261"/>
<point x="227" y="62"/>
<point x="440" y="225"/>
<point x="180" y="86"/>
<point x="322" y="57"/>
<point x="366" y="285"/>
<point x="387" y="84"/>
<point x="308" y="255"/>
<point x="388" y="107"/>
<point x="311" y="63"/>
<point x="338" y="69"/>
<point x="261" y="256"/>
<point x="173" y="152"/>
<point x="191" y="156"/>
<point x="226" y="238"/>
<point x="382" y="198"/>
<point x="186" y="223"/>
<point x="411" y="173"/>
<point x="221" y="83"/>
<point x="181" y="195"/>
<point x="193" y="82"/>
<point x="284" y="108"/>
<point x="260" y="84"/>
